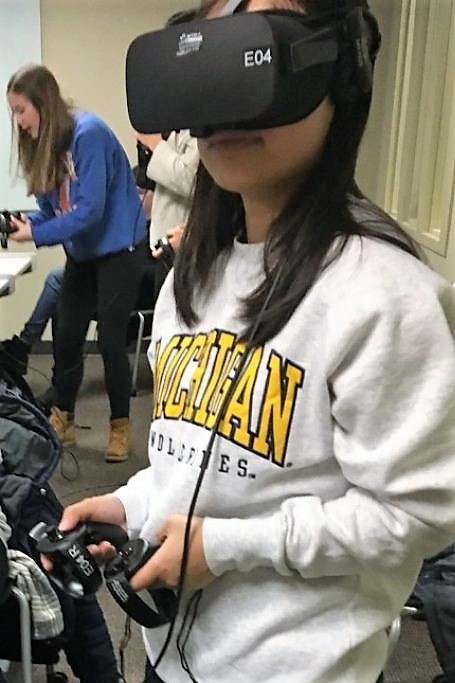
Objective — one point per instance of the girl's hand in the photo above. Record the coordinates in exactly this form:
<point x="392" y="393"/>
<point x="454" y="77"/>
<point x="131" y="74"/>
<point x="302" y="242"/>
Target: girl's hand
<point x="163" y="569"/>
<point x="174" y="237"/>
<point x="22" y="229"/>
<point x="106" y="508"/>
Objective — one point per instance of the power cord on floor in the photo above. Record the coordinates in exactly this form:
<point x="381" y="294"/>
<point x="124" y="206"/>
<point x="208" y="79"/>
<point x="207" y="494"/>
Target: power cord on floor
<point x="73" y="458"/>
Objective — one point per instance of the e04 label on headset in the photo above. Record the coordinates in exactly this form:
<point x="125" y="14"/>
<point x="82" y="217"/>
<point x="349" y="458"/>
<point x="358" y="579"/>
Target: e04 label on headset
<point x="257" y="57"/>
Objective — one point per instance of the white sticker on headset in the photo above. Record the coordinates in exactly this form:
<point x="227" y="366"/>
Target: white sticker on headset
<point x="189" y="43"/>
<point x="259" y="57"/>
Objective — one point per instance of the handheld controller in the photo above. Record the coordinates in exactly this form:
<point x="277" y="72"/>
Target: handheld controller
<point x="76" y="572"/>
<point x="168" y="253"/>
<point x="152" y="607"/>
<point x="5" y="226"/>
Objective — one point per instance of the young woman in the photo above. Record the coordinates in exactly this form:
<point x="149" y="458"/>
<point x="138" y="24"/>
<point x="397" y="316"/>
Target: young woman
<point x="88" y="202"/>
<point x="304" y="403"/>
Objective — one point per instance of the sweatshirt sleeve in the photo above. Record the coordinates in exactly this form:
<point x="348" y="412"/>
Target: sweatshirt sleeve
<point x="391" y="374"/>
<point x="44" y="214"/>
<point x="91" y="161"/>
<point x="135" y="499"/>
<point x="173" y="168"/>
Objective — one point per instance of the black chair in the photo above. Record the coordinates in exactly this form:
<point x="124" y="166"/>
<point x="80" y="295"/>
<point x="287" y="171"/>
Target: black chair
<point x="142" y="316"/>
<point x="144" y="319"/>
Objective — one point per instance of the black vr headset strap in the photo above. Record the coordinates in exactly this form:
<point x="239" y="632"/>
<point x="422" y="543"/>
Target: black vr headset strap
<point x="318" y="48"/>
<point x="360" y="37"/>
<point x="359" y="30"/>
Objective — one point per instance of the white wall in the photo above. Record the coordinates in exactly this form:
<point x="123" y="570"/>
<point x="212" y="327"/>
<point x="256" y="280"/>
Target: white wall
<point x="20" y="40"/>
<point x="84" y="43"/>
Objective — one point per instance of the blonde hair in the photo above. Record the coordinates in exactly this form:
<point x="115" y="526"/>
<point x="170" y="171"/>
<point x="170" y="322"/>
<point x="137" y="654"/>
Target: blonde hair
<point x="41" y="161"/>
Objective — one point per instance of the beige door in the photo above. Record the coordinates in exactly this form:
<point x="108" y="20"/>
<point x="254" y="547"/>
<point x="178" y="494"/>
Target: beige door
<point x="407" y="163"/>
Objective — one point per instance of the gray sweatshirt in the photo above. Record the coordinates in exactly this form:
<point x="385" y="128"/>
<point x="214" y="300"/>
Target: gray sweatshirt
<point x="333" y="473"/>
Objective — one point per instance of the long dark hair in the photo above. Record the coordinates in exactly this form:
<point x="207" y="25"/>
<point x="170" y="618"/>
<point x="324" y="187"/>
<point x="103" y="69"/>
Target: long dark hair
<point x="323" y="213"/>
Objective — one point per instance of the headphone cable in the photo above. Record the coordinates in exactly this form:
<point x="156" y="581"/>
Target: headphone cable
<point x="204" y="465"/>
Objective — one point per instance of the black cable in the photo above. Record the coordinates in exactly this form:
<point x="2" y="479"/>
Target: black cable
<point x="204" y="465"/>
<point x="123" y="644"/>
<point x="63" y="474"/>
<point x="203" y="468"/>
<point x="192" y="608"/>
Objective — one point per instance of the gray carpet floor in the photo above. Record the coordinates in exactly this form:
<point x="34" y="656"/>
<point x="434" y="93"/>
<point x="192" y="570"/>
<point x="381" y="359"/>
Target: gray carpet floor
<point x="85" y="473"/>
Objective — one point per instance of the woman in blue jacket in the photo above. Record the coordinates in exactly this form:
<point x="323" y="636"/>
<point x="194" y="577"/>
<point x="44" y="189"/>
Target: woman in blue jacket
<point x="77" y="169"/>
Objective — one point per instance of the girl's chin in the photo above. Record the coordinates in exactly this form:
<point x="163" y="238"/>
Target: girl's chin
<point x="234" y="182"/>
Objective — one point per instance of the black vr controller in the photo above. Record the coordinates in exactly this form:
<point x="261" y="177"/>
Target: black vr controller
<point x="6" y="227"/>
<point x="76" y="572"/>
<point x="168" y="253"/>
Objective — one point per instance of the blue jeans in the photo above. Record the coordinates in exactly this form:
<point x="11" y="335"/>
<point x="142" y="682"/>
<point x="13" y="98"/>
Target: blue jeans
<point x="45" y="308"/>
<point x="89" y="651"/>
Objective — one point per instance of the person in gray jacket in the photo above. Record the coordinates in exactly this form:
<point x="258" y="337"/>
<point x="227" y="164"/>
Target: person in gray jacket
<point x="172" y="166"/>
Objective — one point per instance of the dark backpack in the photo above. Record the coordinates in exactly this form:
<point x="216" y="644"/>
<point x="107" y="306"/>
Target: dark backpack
<point x="29" y="454"/>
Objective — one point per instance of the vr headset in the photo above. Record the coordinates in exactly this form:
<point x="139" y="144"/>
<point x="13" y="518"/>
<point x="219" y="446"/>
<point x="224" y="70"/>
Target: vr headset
<point x="250" y="70"/>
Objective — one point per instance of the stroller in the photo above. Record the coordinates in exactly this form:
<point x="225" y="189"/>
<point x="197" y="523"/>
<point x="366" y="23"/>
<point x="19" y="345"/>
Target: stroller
<point x="29" y="453"/>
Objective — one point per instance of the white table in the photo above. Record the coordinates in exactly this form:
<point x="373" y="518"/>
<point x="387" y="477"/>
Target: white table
<point x="13" y="264"/>
<point x="6" y="285"/>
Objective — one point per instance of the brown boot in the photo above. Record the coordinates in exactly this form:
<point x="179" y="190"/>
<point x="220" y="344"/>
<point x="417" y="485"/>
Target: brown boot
<point x="63" y="423"/>
<point x="117" y="450"/>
